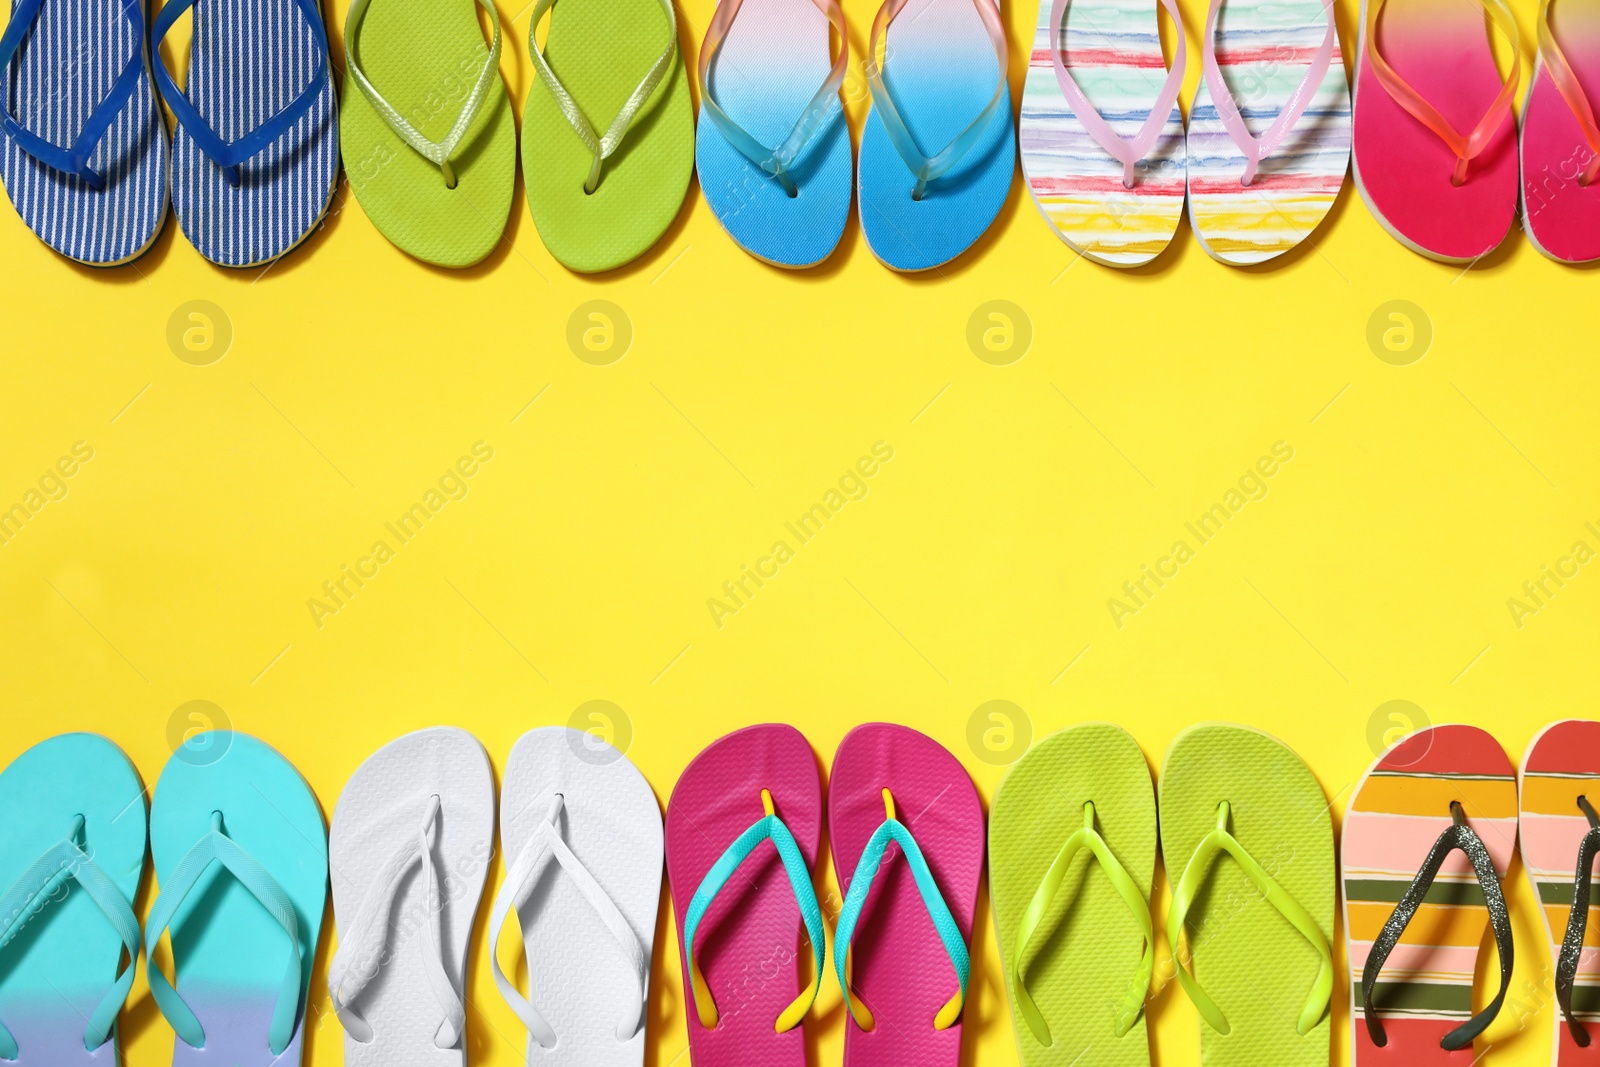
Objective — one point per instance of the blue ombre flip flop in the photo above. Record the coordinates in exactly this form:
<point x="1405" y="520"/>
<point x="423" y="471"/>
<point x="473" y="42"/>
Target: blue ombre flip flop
<point x="766" y="80"/>
<point x="938" y="151"/>
<point x="241" y="857"/>
<point x="71" y="853"/>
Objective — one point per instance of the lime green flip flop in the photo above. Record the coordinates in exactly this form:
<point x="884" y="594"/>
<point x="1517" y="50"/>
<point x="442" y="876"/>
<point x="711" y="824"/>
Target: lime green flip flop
<point x="1246" y="823"/>
<point x="426" y="128"/>
<point x="601" y="200"/>
<point x="1072" y="853"/>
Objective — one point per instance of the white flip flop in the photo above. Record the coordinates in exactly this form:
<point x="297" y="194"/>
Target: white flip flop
<point x="581" y="832"/>
<point x="405" y="926"/>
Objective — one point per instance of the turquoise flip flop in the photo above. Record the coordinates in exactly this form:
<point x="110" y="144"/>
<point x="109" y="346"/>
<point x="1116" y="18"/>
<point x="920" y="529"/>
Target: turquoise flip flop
<point x="71" y="853"/>
<point x="241" y="856"/>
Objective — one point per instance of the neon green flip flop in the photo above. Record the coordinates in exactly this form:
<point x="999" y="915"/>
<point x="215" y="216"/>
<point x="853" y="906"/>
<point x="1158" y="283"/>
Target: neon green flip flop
<point x="601" y="200"/>
<point x="1072" y="853"/>
<point x="426" y="128"/>
<point x="1247" y="824"/>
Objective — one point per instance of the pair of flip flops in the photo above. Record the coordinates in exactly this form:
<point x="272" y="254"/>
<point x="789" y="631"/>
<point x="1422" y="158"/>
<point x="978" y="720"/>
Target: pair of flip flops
<point x="773" y="151"/>
<point x="744" y="829"/>
<point x="1248" y="841"/>
<point x="241" y="862"/>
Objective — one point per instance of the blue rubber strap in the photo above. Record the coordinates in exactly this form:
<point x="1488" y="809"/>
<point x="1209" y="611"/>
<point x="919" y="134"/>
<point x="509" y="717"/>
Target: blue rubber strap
<point x="217" y="847"/>
<point x="73" y="160"/>
<point x="794" y="863"/>
<point x="35" y="888"/>
<point x="229" y="154"/>
<point x="867" y="867"/>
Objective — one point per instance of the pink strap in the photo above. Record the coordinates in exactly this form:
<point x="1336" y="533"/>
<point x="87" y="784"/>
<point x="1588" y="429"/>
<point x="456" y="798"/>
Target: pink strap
<point x="1131" y="152"/>
<point x="1566" y="82"/>
<point x="1228" y="111"/>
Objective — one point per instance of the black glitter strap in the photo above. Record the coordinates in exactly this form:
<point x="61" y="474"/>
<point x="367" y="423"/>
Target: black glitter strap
<point x="1577" y="920"/>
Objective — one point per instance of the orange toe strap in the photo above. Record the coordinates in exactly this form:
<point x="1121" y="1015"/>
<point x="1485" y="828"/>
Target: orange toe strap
<point x="1566" y="82"/>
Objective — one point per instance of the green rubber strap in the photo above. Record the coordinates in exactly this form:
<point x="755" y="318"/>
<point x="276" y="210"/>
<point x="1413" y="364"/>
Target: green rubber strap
<point x="1126" y="887"/>
<point x="1183" y="898"/>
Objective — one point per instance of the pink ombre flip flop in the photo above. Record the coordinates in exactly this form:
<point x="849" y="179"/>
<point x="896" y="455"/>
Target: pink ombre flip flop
<point x="735" y="899"/>
<point x="1560" y="138"/>
<point x="905" y="818"/>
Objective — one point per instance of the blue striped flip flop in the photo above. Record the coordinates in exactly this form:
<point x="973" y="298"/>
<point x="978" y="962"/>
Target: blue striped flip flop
<point x="84" y="158"/>
<point x="256" y="151"/>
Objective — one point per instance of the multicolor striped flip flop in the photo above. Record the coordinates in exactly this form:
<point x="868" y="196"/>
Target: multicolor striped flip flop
<point x="1269" y="129"/>
<point x="1428" y="835"/>
<point x="1102" y="140"/>
<point x="1560" y="137"/>
<point x="1560" y="780"/>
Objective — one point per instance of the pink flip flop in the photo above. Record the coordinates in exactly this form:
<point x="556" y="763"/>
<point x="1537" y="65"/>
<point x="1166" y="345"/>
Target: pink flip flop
<point x="735" y="899"/>
<point x="1560" y="138"/>
<point x="895" y="789"/>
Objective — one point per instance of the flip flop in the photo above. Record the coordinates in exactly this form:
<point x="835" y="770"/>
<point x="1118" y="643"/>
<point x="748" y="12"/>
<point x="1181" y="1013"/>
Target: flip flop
<point x="84" y="158"/>
<point x="937" y="153"/>
<point x="426" y="127"/>
<point x="1435" y="140"/>
<point x="1072" y="857"/>
<point x="1267" y="903"/>
<point x="894" y="788"/>
<point x="741" y="948"/>
<point x="409" y="847"/>
<point x="255" y="154"/>
<point x="1269" y="128"/>
<point x="1428" y="835"/>
<point x="601" y="200"/>
<point x="1102" y="143"/>
<point x="1559" y="785"/>
<point x="72" y="830"/>
<point x="786" y="204"/>
<point x="1560" y="138"/>
<point x="242" y="864"/>
<point x="581" y="830"/>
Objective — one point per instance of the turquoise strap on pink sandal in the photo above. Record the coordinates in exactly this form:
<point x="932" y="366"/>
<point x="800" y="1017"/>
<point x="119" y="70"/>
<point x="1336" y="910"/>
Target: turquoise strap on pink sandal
<point x="1566" y="83"/>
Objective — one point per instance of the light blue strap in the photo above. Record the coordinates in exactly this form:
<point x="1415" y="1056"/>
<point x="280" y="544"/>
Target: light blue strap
<point x="944" y="923"/>
<point x="217" y="847"/>
<point x="36" y="887"/>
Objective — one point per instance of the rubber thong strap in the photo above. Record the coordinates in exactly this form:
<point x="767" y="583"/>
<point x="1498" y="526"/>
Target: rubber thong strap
<point x="75" y="159"/>
<point x="602" y="147"/>
<point x="230" y="154"/>
<point x="1256" y="149"/>
<point x="1467" y="147"/>
<point x="1577" y="924"/>
<point x="217" y="847"/>
<point x="1128" y="153"/>
<point x="929" y="168"/>
<point x="526" y="869"/>
<point x="767" y="827"/>
<point x="363" y="947"/>
<point x="823" y="107"/>
<point x="1133" y="1000"/>
<point x="39" y="886"/>
<point x="1458" y="836"/>
<point x="955" y="946"/>
<point x="1183" y="897"/>
<point x="1566" y="82"/>
<point x="437" y="152"/>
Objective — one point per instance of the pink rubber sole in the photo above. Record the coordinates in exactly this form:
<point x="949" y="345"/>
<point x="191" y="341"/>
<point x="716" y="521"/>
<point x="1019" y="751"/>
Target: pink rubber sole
<point x="1563" y="217"/>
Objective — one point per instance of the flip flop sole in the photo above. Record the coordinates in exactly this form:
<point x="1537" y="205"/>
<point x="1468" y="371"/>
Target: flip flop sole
<point x="1561" y="216"/>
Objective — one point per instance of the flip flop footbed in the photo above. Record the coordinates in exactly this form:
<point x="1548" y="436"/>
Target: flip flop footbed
<point x="1257" y="967"/>
<point x="1112" y="48"/>
<point x="1562" y="217"/>
<point x="248" y="60"/>
<point x="1397" y="812"/>
<point x="60" y="74"/>
<point x="1088" y="946"/>
<point x="57" y="968"/>
<point x="750" y="946"/>
<point x="900" y="969"/>
<point x="384" y="810"/>
<point x="228" y="951"/>
<point x="775" y="56"/>
<point x="424" y="57"/>
<point x="1264" y="50"/>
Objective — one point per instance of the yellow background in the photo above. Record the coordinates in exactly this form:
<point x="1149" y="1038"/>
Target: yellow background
<point x="620" y="497"/>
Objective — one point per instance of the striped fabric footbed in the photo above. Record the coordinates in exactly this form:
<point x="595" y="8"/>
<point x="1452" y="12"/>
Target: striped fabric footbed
<point x="248" y="61"/>
<point x="63" y="69"/>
